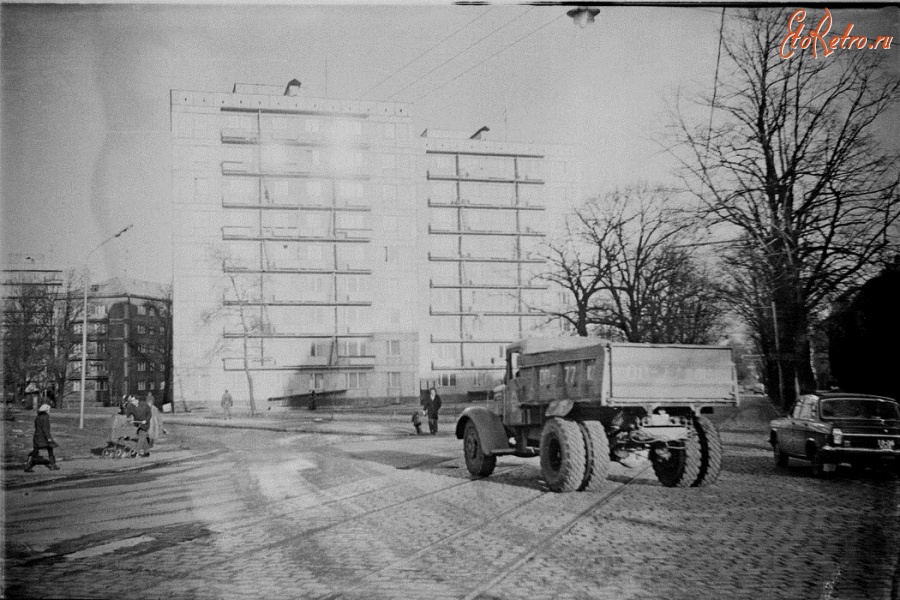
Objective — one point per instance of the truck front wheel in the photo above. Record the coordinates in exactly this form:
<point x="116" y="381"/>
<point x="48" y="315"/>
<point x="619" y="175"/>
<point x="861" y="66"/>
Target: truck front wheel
<point x="562" y="455"/>
<point x="478" y="463"/>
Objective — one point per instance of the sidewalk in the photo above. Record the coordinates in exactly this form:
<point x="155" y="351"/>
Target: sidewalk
<point x="78" y="454"/>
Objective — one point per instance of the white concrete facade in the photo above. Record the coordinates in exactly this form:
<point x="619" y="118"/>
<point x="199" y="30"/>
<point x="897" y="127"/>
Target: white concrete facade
<point x="318" y="245"/>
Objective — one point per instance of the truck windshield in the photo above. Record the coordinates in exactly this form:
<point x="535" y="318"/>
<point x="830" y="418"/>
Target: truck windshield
<point x="854" y="408"/>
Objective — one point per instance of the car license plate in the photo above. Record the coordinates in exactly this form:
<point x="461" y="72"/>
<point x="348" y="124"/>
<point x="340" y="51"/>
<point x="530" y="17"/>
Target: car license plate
<point x="886" y="444"/>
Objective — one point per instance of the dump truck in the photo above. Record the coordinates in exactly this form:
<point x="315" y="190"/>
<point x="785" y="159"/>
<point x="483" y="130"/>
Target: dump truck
<point x="580" y="403"/>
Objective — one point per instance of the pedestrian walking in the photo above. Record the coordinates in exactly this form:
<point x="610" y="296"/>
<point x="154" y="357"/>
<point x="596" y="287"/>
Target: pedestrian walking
<point x="150" y="399"/>
<point x="417" y="422"/>
<point x="432" y="407"/>
<point x="227" y="403"/>
<point x="42" y="439"/>
<point x="141" y="415"/>
<point x="312" y="400"/>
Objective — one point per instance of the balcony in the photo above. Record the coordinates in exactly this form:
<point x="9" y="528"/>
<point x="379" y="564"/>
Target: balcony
<point x="471" y="284"/>
<point x="246" y="233"/>
<point x="497" y="367"/>
<point x="468" y="231"/>
<point x="318" y="302"/>
<point x="479" y="178"/>
<point x="287" y="170"/>
<point x="260" y="206"/>
<point x="487" y="259"/>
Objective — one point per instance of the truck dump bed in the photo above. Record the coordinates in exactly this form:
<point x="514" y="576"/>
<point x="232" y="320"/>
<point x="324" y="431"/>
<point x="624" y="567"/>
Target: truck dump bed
<point x="638" y="373"/>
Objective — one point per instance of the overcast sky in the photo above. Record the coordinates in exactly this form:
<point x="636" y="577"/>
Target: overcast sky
<point x="85" y="95"/>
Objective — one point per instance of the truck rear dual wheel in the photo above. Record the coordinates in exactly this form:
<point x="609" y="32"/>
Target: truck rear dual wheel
<point x="710" y="452"/>
<point x="596" y="455"/>
<point x="563" y="455"/>
<point x="682" y="468"/>
<point x="478" y="463"/>
<point x="698" y="463"/>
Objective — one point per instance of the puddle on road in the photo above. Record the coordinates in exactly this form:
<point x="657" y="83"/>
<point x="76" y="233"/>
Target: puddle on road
<point x="109" y="547"/>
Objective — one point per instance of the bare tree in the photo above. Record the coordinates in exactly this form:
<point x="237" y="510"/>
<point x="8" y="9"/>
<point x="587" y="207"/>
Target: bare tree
<point x="629" y="267"/>
<point x="577" y="267"/>
<point x="27" y="335"/>
<point x="792" y="164"/>
<point x="68" y="309"/>
<point x="237" y="305"/>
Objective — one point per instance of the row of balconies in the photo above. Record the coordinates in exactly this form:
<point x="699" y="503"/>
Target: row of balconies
<point x="471" y="230"/>
<point x="469" y="257"/>
<point x="236" y="167"/>
<point x="311" y="362"/>
<point x="235" y="232"/>
<point x="464" y="175"/>
<point x="355" y="205"/>
<point x="472" y="283"/>
<point x="236" y="135"/>
<point x="464" y="203"/>
<point x="345" y="269"/>
<point x="341" y="300"/>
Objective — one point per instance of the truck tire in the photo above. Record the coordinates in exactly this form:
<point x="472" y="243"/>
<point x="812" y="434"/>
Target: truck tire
<point x="478" y="463"/>
<point x="596" y="455"/>
<point x="683" y="468"/>
<point x="562" y="455"/>
<point x="710" y="452"/>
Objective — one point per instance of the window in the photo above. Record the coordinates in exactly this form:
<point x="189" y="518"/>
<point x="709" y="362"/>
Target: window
<point x="570" y="374"/>
<point x="316" y="381"/>
<point x="97" y="310"/>
<point x="142" y="385"/>
<point x="447" y="379"/>
<point x="353" y="348"/>
<point x="394" y="380"/>
<point x="480" y="378"/>
<point x="589" y="375"/>
<point x="76" y="386"/>
<point x="393" y="347"/>
<point x="322" y="348"/>
<point x="102" y="385"/>
<point x="545" y="376"/>
<point x="142" y="348"/>
<point x="356" y="381"/>
<point x="162" y="385"/>
<point x="141" y="329"/>
<point x="142" y="366"/>
<point x="77" y="328"/>
<point x="151" y="386"/>
<point x="141" y="310"/>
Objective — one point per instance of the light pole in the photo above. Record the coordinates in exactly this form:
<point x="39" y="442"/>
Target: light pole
<point x="87" y="283"/>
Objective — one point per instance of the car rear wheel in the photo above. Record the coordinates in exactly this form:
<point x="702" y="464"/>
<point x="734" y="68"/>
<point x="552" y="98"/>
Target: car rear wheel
<point x="562" y="455"/>
<point x="781" y="458"/>
<point x="478" y="463"/>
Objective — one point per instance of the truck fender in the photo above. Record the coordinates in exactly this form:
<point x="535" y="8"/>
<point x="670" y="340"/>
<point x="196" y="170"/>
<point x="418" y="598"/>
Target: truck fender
<point x="559" y="408"/>
<point x="489" y="426"/>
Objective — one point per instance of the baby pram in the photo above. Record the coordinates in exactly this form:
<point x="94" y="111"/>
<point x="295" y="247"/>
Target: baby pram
<point x="122" y="438"/>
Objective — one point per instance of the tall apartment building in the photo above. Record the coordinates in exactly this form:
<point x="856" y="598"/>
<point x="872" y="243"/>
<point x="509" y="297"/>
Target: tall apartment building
<point x="324" y="245"/>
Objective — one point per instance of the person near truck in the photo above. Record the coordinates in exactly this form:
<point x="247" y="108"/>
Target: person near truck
<point x="227" y="403"/>
<point x="432" y="406"/>
<point x="42" y="439"/>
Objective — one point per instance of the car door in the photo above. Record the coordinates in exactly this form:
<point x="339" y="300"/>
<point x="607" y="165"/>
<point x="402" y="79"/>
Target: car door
<point x="791" y="439"/>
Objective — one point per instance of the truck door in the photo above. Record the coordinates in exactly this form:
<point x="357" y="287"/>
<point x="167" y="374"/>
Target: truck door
<point x="513" y="394"/>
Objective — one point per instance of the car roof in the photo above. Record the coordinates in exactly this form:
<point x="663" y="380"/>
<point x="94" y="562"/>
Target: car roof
<point x="850" y="396"/>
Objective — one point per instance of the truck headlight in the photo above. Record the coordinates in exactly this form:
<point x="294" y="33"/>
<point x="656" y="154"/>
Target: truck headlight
<point x="838" y="436"/>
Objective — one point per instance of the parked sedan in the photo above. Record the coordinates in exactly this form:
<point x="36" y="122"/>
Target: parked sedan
<point x="832" y="427"/>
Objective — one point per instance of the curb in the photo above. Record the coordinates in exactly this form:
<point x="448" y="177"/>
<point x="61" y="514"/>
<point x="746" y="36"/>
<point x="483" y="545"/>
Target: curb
<point x="95" y="473"/>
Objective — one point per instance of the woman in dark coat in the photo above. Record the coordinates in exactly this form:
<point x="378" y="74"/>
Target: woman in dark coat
<point x="432" y="407"/>
<point x="42" y="439"/>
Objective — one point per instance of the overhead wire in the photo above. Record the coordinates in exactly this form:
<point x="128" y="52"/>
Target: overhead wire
<point x="369" y="90"/>
<point x="458" y="54"/>
<point x="501" y="50"/>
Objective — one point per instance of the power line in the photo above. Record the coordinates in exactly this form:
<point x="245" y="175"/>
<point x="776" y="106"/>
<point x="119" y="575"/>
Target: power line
<point x="491" y="56"/>
<point x="424" y="53"/>
<point x="466" y="49"/>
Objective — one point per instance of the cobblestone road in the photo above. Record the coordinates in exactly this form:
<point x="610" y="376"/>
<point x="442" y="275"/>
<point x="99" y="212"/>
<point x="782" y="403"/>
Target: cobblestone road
<point x="326" y="516"/>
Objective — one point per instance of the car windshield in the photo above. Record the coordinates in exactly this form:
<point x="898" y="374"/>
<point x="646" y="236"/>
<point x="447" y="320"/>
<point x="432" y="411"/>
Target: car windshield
<point x="854" y="408"/>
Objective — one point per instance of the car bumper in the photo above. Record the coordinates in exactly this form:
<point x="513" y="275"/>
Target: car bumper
<point x="839" y="452"/>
